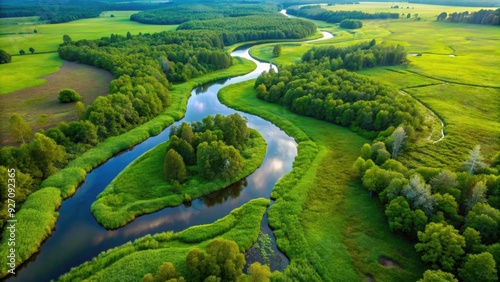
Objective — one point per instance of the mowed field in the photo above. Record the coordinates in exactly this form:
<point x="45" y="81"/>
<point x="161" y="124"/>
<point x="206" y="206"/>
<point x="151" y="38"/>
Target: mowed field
<point x="40" y="106"/>
<point x="17" y="33"/>
<point x="456" y="76"/>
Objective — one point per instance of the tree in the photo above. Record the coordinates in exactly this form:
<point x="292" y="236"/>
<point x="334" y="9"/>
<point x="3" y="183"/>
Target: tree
<point x="398" y="137"/>
<point x="32" y="50"/>
<point x="437" y="276"/>
<point x="408" y="16"/>
<point x="194" y="265"/>
<point x="129" y="35"/>
<point x="474" y="161"/>
<point x="258" y="273"/>
<point x="22" y="52"/>
<point x="80" y="109"/>
<point x="419" y="195"/>
<point x="477" y="195"/>
<point x="174" y="167"/>
<point x="399" y="215"/>
<point x="184" y="149"/>
<point x="472" y="241"/>
<point x="444" y="182"/>
<point x="442" y="16"/>
<point x="4" y="57"/>
<point x="277" y="50"/>
<point x="478" y="268"/>
<point x="66" y="39"/>
<point x="218" y="160"/>
<point x="19" y="128"/>
<point x="440" y="245"/>
<point x="224" y="259"/>
<point x="366" y="151"/>
<point x="449" y="207"/>
<point x="46" y="154"/>
<point x="68" y="96"/>
<point x="486" y="220"/>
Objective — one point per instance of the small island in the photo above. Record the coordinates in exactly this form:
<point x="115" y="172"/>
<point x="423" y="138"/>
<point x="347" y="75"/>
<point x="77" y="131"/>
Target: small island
<point x="198" y="159"/>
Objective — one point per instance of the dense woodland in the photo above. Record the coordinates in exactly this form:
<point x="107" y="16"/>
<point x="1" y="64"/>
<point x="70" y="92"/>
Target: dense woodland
<point x="257" y="27"/>
<point x="490" y="17"/>
<point x="321" y="87"/>
<point x="318" y="13"/>
<point x="177" y="14"/>
<point x="472" y="3"/>
<point x="213" y="145"/>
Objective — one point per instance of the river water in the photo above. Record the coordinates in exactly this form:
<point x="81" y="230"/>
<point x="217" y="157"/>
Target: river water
<point x="78" y="237"/>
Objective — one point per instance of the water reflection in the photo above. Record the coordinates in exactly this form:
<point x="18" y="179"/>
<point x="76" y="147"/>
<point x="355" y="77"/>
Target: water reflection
<point x="78" y="237"/>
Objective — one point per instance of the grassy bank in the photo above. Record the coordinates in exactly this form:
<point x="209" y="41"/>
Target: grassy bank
<point x="68" y="179"/>
<point x="131" y="261"/>
<point x="141" y="188"/>
<point x="17" y="33"/>
<point x="323" y="219"/>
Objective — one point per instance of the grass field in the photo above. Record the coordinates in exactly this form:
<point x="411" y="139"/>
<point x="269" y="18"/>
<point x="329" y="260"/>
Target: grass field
<point x="123" y="200"/>
<point x="17" y="33"/>
<point x="131" y="261"/>
<point x="322" y="216"/>
<point x="456" y="76"/>
<point x="32" y="103"/>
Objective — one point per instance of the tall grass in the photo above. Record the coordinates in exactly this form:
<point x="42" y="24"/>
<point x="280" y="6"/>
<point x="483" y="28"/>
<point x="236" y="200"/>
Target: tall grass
<point x="131" y="261"/>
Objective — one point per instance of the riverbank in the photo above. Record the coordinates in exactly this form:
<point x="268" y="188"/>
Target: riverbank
<point x="146" y="254"/>
<point x="319" y="204"/>
<point x="68" y="179"/>
<point x="141" y="188"/>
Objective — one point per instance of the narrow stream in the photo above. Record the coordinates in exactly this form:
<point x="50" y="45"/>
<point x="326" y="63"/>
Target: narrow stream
<point x="78" y="237"/>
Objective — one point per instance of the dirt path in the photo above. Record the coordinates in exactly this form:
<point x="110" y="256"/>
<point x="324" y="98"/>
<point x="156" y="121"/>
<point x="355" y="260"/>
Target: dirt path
<point x="33" y="102"/>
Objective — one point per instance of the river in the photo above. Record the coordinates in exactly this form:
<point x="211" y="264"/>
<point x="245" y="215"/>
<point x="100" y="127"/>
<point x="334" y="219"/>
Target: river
<point x="78" y="237"/>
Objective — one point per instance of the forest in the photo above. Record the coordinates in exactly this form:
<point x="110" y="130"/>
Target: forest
<point x="318" y="13"/>
<point x="320" y="86"/>
<point x="491" y="17"/>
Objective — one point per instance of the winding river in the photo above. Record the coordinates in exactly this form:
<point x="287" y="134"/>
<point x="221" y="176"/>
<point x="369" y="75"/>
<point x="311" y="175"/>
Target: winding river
<point x="78" y="237"/>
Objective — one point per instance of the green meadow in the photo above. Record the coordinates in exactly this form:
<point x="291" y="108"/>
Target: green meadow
<point x="27" y="70"/>
<point x="323" y="219"/>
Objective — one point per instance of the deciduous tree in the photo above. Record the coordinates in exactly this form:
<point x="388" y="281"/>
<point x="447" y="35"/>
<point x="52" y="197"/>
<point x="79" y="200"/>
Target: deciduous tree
<point x="277" y="50"/>
<point x="475" y="160"/>
<point x="480" y="267"/>
<point x="19" y="128"/>
<point x="437" y="276"/>
<point x="398" y="138"/>
<point x="4" y="57"/>
<point x="174" y="167"/>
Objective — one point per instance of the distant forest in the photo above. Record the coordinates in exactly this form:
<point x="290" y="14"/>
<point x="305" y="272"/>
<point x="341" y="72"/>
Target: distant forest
<point x="491" y="17"/>
<point x="472" y="3"/>
<point x="318" y="13"/>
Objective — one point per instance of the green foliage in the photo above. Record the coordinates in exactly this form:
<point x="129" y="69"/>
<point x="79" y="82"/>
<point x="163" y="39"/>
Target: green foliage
<point x="69" y="95"/>
<point x="441" y="245"/>
<point x="147" y="254"/>
<point x="174" y="167"/>
<point x="19" y="128"/>
<point x="4" y="57"/>
<point x="486" y="220"/>
<point x="480" y="267"/>
<point x="351" y="24"/>
<point x="277" y="50"/>
<point x="316" y="12"/>
<point x="34" y="223"/>
<point x="166" y="272"/>
<point x="490" y="17"/>
<point x="254" y="27"/>
<point x="437" y="276"/>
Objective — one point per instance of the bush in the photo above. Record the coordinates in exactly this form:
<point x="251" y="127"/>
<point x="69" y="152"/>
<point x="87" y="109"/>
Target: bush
<point x="68" y="96"/>
<point x="351" y="24"/>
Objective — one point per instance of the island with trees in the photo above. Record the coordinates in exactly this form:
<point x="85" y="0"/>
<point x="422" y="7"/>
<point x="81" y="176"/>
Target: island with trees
<point x="198" y="159"/>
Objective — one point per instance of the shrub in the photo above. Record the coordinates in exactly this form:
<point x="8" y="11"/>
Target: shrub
<point x="68" y="96"/>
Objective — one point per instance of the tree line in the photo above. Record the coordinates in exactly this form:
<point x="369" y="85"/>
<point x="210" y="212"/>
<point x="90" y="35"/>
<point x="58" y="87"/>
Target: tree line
<point x="177" y="14"/>
<point x="213" y="145"/>
<point x="454" y="216"/>
<point x="254" y="27"/>
<point x="321" y="87"/>
<point x="489" y="17"/>
<point x="316" y="12"/>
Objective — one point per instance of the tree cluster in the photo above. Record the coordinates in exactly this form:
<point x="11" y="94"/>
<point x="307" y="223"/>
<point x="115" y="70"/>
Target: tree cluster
<point x="177" y="14"/>
<point x="351" y="24"/>
<point x="222" y="261"/>
<point x="489" y="17"/>
<point x="313" y="89"/>
<point x="213" y="145"/>
<point x="467" y="3"/>
<point x="4" y="57"/>
<point x="454" y="215"/>
<point x="254" y="27"/>
<point x="316" y="12"/>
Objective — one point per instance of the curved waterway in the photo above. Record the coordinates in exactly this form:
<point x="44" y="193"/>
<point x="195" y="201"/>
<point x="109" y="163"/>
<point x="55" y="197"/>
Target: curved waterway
<point x="78" y="237"/>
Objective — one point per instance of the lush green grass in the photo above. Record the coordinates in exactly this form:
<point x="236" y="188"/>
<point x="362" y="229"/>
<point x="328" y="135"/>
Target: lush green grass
<point x="25" y="71"/>
<point x="323" y="219"/>
<point x="131" y="261"/>
<point x="35" y="222"/>
<point x="68" y="179"/>
<point x="141" y="187"/>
